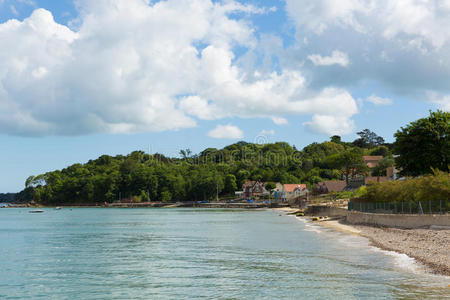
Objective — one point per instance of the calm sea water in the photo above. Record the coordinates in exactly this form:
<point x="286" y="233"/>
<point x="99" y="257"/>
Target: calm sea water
<point x="195" y="253"/>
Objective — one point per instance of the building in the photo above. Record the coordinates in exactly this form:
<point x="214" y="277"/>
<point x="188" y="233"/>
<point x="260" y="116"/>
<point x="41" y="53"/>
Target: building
<point x="254" y="189"/>
<point x="372" y="160"/>
<point x="330" y="186"/>
<point x="292" y="191"/>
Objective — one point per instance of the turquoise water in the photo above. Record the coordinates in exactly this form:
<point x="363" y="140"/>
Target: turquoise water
<point x="98" y="253"/>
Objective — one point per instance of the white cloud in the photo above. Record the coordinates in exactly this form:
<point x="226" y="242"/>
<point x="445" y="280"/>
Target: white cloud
<point x="336" y="58"/>
<point x="265" y="132"/>
<point x="378" y="100"/>
<point x="441" y="101"/>
<point x="13" y="10"/>
<point x="330" y="125"/>
<point x="226" y="132"/>
<point x="402" y="47"/>
<point x="133" y="66"/>
<point x="319" y="15"/>
<point x="279" y="121"/>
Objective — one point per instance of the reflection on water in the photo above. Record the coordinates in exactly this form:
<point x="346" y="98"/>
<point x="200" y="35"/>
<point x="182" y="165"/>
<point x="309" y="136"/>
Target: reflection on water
<point x="194" y="253"/>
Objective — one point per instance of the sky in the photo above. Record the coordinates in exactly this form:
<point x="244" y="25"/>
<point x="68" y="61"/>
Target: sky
<point x="82" y="78"/>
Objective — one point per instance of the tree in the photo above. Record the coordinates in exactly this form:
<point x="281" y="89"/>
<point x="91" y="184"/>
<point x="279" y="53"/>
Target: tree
<point x="336" y="139"/>
<point x="424" y="144"/>
<point x="383" y="164"/>
<point x="230" y="184"/>
<point x="368" y="139"/>
<point x="185" y="153"/>
<point x="166" y="196"/>
<point x="350" y="161"/>
<point x="270" y="186"/>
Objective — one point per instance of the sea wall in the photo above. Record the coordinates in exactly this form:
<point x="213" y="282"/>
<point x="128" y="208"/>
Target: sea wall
<point x="330" y="211"/>
<point x="399" y="221"/>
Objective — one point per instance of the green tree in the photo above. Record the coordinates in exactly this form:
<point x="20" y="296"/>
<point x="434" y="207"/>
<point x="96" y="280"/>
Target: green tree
<point x="270" y="186"/>
<point x="350" y="161"/>
<point x="368" y="139"/>
<point x="424" y="144"/>
<point x="383" y="164"/>
<point x="166" y="196"/>
<point x="230" y="184"/>
<point x="336" y="139"/>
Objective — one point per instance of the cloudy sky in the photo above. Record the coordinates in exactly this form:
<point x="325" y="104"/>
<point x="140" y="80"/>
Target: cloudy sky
<point x="80" y="78"/>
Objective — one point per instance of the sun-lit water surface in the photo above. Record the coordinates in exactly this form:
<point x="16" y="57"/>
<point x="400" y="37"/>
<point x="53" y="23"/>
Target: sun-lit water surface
<point x="95" y="253"/>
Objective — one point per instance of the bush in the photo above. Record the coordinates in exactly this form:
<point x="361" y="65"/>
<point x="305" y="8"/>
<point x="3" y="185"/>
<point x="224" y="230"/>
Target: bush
<point x="426" y="188"/>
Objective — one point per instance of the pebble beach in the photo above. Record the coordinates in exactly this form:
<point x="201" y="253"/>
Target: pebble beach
<point x="431" y="247"/>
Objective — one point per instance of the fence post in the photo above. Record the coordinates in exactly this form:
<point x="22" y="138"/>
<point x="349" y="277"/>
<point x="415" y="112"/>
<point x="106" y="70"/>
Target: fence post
<point x="410" y="208"/>
<point x="402" y="206"/>
<point x="429" y="205"/>
<point x="440" y="206"/>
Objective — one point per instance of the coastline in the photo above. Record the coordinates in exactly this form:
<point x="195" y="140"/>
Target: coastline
<point x="429" y="247"/>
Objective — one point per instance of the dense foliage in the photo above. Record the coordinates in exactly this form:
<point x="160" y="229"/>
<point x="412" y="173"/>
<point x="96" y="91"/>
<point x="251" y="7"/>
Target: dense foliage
<point x="220" y="172"/>
<point x="424" y="144"/>
<point x="8" y="197"/>
<point x="431" y="187"/>
<point x="142" y="177"/>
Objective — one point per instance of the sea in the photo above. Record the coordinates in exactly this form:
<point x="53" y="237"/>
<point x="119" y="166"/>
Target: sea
<point x="194" y="253"/>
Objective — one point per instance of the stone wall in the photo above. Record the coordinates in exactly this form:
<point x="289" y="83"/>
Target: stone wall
<point x="399" y="221"/>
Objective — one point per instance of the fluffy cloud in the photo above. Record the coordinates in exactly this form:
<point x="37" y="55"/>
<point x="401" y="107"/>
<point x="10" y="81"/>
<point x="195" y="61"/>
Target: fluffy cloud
<point x="336" y="58"/>
<point x="401" y="46"/>
<point x="265" y="132"/>
<point x="442" y="101"/>
<point x="226" y="132"/>
<point x="378" y="100"/>
<point x="137" y="65"/>
<point x="279" y="121"/>
<point x="323" y="123"/>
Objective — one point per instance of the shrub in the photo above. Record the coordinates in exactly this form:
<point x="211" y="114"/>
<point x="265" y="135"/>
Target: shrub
<point x="426" y="188"/>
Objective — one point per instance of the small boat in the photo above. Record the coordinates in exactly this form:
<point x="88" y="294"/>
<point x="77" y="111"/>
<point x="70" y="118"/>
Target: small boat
<point x="36" y="211"/>
<point x="58" y="208"/>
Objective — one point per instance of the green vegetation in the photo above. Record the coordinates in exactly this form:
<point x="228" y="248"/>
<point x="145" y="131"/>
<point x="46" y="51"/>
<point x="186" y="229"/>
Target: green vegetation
<point x="424" y="144"/>
<point x="357" y="193"/>
<point x="430" y="187"/>
<point x="141" y="177"/>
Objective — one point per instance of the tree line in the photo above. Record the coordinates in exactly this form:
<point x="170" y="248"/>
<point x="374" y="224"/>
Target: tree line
<point x="220" y="172"/>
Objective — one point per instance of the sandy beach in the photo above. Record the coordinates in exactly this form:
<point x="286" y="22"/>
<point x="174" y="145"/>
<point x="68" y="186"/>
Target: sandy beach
<point x="430" y="247"/>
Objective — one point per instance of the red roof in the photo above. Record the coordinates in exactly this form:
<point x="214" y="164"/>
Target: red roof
<point x="290" y="188"/>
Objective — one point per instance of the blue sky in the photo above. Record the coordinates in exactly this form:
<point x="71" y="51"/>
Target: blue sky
<point x="81" y="79"/>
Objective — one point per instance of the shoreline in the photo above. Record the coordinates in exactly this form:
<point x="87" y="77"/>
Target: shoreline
<point x="428" y="247"/>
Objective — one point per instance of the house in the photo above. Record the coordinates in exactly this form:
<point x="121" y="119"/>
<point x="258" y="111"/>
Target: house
<point x="372" y="160"/>
<point x="330" y="186"/>
<point x="375" y="179"/>
<point x="291" y="191"/>
<point x="254" y="189"/>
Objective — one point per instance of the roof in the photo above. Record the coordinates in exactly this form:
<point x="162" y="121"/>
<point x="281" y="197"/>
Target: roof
<point x="249" y="183"/>
<point x="367" y="158"/>
<point x="291" y="187"/>
<point x="372" y="164"/>
<point x="376" y="179"/>
<point x="334" y="186"/>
